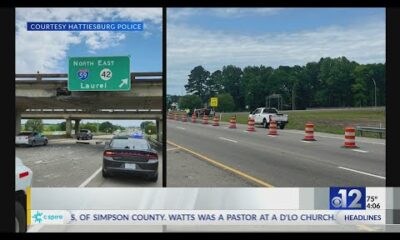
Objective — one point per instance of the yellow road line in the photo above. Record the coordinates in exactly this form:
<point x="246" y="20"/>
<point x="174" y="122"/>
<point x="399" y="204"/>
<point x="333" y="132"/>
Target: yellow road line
<point x="223" y="166"/>
<point x="28" y="206"/>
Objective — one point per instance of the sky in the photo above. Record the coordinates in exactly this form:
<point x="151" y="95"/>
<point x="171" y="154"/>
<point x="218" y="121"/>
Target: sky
<point x="214" y="37"/>
<point x="48" y="52"/>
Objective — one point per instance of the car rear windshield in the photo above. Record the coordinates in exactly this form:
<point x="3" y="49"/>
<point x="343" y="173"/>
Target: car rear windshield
<point x="83" y="131"/>
<point x="270" y="110"/>
<point x="25" y="134"/>
<point x="131" y="143"/>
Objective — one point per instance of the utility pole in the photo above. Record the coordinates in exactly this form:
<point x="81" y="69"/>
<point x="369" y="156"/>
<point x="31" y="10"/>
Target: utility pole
<point x="375" y="90"/>
<point x="293" y="98"/>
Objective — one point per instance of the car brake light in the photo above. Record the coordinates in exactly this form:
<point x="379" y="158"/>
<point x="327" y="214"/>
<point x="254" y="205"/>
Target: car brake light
<point x="151" y="156"/>
<point x="23" y="174"/>
<point x="108" y="153"/>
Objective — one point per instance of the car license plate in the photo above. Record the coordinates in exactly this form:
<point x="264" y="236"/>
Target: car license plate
<point x="131" y="166"/>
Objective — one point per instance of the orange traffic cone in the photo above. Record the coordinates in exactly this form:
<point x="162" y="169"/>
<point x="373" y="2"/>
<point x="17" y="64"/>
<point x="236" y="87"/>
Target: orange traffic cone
<point x="272" y="128"/>
<point x="216" y="121"/>
<point x="232" y="122"/>
<point x="250" y="125"/>
<point x="350" y="137"/>
<point x="205" y="119"/>
<point x="184" y="117"/>
<point x="193" y="118"/>
<point x="309" y="131"/>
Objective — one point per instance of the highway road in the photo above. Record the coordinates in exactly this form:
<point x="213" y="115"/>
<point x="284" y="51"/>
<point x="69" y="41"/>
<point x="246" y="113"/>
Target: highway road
<point x="273" y="161"/>
<point x="66" y="163"/>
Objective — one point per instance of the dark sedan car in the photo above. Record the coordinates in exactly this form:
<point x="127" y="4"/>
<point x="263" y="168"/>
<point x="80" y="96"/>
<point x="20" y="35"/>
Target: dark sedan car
<point x="84" y="134"/>
<point x="134" y="156"/>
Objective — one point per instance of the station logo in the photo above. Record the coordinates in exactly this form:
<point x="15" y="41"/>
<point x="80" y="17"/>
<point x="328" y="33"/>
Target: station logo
<point x="349" y="198"/>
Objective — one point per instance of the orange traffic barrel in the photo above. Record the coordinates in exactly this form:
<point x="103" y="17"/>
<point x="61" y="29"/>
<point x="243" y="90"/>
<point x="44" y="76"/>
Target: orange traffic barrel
<point x="309" y="132"/>
<point x="215" y="121"/>
<point x="232" y="122"/>
<point x="250" y="125"/>
<point x="272" y="128"/>
<point x="193" y="118"/>
<point x="205" y="119"/>
<point x="350" y="137"/>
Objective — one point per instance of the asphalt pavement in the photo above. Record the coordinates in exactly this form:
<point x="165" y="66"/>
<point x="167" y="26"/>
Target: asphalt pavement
<point x="70" y="163"/>
<point x="284" y="160"/>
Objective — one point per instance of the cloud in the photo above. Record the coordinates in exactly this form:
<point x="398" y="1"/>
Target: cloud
<point x="188" y="47"/>
<point x="101" y="40"/>
<point x="45" y="51"/>
<point x="176" y="14"/>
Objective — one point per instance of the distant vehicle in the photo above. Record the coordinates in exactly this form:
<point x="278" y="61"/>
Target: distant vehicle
<point x="63" y="92"/>
<point x="202" y="111"/>
<point x="31" y="139"/>
<point x="127" y="155"/>
<point x="23" y="180"/>
<point x="84" y="134"/>
<point x="264" y="115"/>
<point x="137" y="135"/>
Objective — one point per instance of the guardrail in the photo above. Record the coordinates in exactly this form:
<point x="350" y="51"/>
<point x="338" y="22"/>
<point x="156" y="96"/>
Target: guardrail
<point x="154" y="142"/>
<point x="380" y="131"/>
<point x="141" y="76"/>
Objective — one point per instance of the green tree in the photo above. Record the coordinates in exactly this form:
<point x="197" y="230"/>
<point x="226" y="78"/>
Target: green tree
<point x="34" y="125"/>
<point x="145" y="123"/>
<point x="190" y="102"/>
<point x="197" y="82"/>
<point x="231" y="83"/>
<point x="225" y="102"/>
<point x="62" y="126"/>
<point x="150" y="129"/>
<point x="213" y="84"/>
<point x="106" y="127"/>
<point x="90" y="126"/>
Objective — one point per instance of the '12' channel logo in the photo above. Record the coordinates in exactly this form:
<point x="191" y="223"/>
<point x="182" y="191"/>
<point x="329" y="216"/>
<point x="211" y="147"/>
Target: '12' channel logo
<point x="349" y="198"/>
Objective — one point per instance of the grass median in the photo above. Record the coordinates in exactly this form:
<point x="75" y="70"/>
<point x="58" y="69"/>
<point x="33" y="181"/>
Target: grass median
<point x="326" y="121"/>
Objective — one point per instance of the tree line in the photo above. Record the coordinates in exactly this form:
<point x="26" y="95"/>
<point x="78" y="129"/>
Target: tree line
<point x="38" y="126"/>
<point x="330" y="82"/>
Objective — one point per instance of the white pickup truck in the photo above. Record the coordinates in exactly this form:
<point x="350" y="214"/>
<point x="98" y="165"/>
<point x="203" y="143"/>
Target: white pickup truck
<point x="23" y="180"/>
<point x="265" y="115"/>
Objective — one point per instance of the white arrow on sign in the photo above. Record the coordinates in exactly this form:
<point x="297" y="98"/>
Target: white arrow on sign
<point x="123" y="82"/>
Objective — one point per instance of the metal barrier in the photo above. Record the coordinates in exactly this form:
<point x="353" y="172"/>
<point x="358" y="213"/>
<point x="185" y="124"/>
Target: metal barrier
<point x="154" y="142"/>
<point x="380" y="131"/>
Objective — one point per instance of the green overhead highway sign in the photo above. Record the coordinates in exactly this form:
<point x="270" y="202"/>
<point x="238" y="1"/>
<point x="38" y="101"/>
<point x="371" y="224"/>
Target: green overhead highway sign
<point x="99" y="74"/>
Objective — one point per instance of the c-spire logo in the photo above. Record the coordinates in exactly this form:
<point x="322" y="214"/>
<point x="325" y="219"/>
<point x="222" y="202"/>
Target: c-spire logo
<point x="38" y="217"/>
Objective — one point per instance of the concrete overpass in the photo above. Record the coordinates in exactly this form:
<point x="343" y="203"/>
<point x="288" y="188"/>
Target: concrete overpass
<point x="37" y="98"/>
<point x="76" y="116"/>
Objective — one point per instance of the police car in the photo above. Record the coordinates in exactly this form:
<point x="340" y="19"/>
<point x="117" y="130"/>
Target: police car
<point x="23" y="180"/>
<point x="130" y="155"/>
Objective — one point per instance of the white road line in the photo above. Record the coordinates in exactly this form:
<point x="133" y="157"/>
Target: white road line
<point x="271" y="135"/>
<point x="87" y="181"/>
<point x="181" y="128"/>
<point x="226" y="139"/>
<point x="35" y="228"/>
<point x="358" y="150"/>
<point x="305" y="141"/>
<point x="170" y="149"/>
<point x="356" y="171"/>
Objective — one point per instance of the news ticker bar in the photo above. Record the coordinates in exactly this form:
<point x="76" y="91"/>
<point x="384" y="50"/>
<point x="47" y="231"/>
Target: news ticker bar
<point x="336" y="201"/>
<point x="209" y="217"/>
